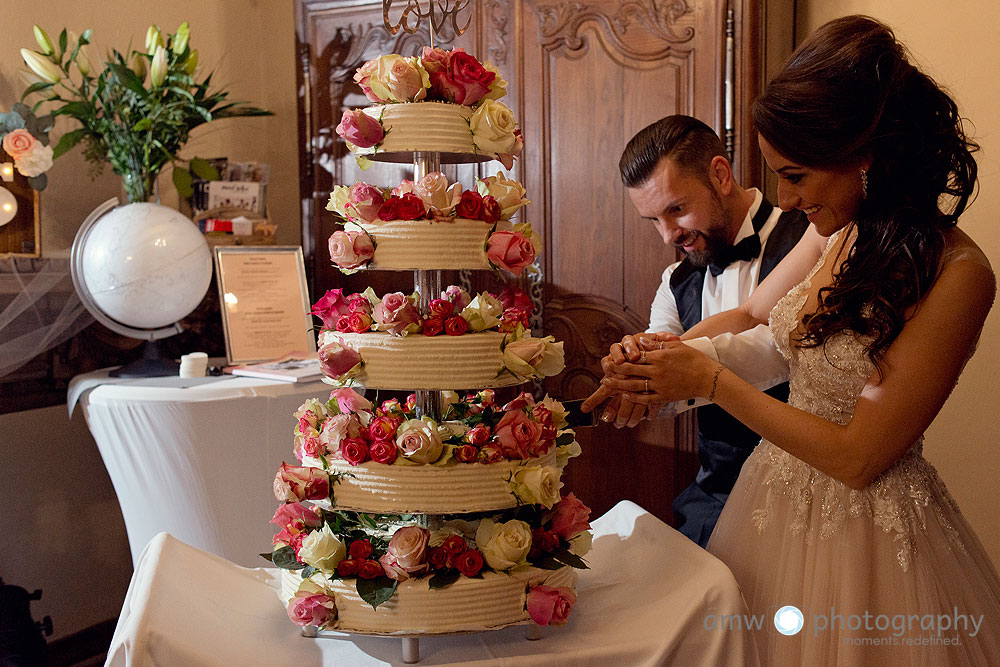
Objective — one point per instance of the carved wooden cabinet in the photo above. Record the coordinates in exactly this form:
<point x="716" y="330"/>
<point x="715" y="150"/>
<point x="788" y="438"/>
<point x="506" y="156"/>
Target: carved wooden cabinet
<point x="584" y="76"/>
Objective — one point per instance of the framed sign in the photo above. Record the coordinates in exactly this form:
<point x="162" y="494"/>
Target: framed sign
<point x="264" y="302"/>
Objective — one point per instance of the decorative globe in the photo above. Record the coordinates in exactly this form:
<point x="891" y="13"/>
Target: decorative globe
<point x="145" y="265"/>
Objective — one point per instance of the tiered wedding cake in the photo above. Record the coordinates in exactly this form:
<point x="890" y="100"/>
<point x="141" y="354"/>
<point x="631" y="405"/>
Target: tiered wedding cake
<point x="444" y="513"/>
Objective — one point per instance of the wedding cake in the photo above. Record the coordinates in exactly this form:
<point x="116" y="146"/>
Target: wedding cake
<point x="443" y="513"/>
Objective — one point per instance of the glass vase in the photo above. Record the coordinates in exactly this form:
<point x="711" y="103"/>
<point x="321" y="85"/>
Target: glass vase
<point x="138" y="187"/>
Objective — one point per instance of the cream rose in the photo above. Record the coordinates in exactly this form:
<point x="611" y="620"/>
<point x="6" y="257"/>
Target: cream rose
<point x="434" y="191"/>
<point x="529" y="357"/>
<point x="498" y="88"/>
<point x="538" y="485"/>
<point x="493" y="126"/>
<point x="418" y="440"/>
<point x="582" y="543"/>
<point x="338" y="200"/>
<point x="483" y="312"/>
<point x="504" y="546"/>
<point x="394" y="78"/>
<point x="510" y="194"/>
<point x="323" y="550"/>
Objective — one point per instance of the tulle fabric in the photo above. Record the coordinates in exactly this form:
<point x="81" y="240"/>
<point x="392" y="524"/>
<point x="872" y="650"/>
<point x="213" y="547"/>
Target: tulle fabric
<point x="884" y="576"/>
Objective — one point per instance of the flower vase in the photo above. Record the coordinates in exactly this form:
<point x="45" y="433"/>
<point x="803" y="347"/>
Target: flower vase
<point x="139" y="188"/>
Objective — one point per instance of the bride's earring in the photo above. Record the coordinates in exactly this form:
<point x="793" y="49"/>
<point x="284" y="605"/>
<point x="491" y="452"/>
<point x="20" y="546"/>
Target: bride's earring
<point x="864" y="184"/>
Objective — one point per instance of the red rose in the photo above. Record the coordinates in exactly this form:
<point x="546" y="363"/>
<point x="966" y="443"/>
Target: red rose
<point x="470" y="562"/>
<point x="411" y="207"/>
<point x="347" y="568"/>
<point x="391" y="407"/>
<point x="354" y="450"/>
<point x="389" y="209"/>
<point x="442" y="307"/>
<point x="433" y="326"/>
<point x="546" y="540"/>
<point x="491" y="209"/>
<point x="454" y="544"/>
<point x="478" y="435"/>
<point x="464" y="80"/>
<point x="359" y="322"/>
<point x="344" y="323"/>
<point x="437" y="558"/>
<point x="383" y="451"/>
<point x="455" y="325"/>
<point x="359" y="549"/>
<point x="369" y="569"/>
<point x="382" y="428"/>
<point x="470" y="205"/>
<point x="511" y="318"/>
<point x="515" y="297"/>
<point x="490" y="454"/>
<point x="466" y="454"/>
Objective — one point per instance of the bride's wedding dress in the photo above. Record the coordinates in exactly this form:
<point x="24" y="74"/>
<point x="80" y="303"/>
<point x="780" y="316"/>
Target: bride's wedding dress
<point x="888" y="575"/>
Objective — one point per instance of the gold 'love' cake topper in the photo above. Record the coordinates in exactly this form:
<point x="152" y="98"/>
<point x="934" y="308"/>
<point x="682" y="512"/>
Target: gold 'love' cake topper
<point x="439" y="12"/>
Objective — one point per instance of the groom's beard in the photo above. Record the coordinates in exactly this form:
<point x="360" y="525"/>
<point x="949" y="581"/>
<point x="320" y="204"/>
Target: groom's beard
<point x="716" y="236"/>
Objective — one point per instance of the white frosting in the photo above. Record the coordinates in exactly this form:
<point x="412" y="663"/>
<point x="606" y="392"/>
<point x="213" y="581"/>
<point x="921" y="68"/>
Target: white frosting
<point x="469" y="361"/>
<point x="426" y="489"/>
<point x="468" y="605"/>
<point x="425" y="126"/>
<point x="428" y="244"/>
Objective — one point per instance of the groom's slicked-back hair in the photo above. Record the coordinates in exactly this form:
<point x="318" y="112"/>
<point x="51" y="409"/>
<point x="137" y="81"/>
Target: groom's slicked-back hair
<point x="685" y="140"/>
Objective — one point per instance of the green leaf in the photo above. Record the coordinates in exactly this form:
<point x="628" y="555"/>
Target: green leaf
<point x="143" y="125"/>
<point x="35" y="87"/>
<point x="308" y="571"/>
<point x="443" y="579"/>
<point x="565" y="439"/>
<point x="183" y="182"/>
<point x="204" y="170"/>
<point x="376" y="591"/>
<point x="547" y="562"/>
<point x="128" y="79"/>
<point x="10" y="122"/>
<point x="285" y="559"/>
<point x="38" y="182"/>
<point x="268" y="557"/>
<point x="62" y="41"/>
<point x="67" y="141"/>
<point x="567" y="557"/>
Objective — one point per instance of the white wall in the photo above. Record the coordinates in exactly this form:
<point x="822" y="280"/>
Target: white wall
<point x="955" y="42"/>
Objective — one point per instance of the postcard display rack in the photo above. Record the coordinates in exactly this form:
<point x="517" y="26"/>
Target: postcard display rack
<point x="428" y="284"/>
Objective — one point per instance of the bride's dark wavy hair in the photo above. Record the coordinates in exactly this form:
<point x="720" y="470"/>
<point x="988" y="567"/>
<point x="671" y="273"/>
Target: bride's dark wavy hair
<point x="849" y="93"/>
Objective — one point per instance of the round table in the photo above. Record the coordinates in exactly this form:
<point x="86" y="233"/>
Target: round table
<point x="195" y="458"/>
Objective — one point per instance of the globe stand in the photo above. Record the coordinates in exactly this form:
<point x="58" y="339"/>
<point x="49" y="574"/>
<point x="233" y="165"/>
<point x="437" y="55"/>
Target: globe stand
<point x="153" y="364"/>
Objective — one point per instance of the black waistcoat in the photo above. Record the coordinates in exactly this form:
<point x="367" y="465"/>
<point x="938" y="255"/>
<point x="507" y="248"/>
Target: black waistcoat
<point x="724" y="443"/>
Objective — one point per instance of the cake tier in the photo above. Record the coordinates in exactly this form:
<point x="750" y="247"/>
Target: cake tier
<point x="468" y="605"/>
<point x="429" y="245"/>
<point x="469" y="361"/>
<point x="426" y="489"/>
<point x="435" y="127"/>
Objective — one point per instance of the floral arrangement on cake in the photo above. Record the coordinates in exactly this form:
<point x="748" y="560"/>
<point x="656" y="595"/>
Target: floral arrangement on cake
<point x="379" y="553"/>
<point x="437" y="75"/>
<point x="474" y="429"/>
<point x="495" y="199"/>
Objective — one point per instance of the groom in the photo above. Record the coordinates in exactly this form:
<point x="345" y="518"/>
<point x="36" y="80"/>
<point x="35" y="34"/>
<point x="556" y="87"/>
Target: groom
<point x="678" y="178"/>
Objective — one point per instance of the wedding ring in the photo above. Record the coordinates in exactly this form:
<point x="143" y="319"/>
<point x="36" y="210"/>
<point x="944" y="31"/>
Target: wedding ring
<point x="647" y="385"/>
<point x="642" y="357"/>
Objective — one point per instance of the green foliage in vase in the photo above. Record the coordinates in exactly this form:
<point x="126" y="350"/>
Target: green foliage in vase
<point x="136" y="113"/>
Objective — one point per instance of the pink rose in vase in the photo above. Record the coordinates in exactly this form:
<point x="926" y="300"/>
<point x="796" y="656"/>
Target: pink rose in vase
<point x="550" y="606"/>
<point x="511" y="251"/>
<point x="360" y="129"/>
<point x="350" y="249"/>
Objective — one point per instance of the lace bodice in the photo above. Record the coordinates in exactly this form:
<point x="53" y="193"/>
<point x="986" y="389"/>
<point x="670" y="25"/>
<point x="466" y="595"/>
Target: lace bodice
<point x="826" y="381"/>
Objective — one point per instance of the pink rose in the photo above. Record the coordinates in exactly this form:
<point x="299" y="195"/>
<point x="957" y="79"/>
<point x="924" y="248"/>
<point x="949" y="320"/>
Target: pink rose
<point x="509" y="250"/>
<point x="550" y="606"/>
<point x="459" y="297"/>
<point x="360" y="129"/>
<point x="395" y="313"/>
<point x="350" y="250"/>
<point x="391" y="569"/>
<point x="293" y="484"/>
<point x="358" y="322"/>
<point x="383" y="451"/>
<point x="18" y="143"/>
<point x="408" y="548"/>
<point x="339" y="361"/>
<point x="365" y="200"/>
<point x="464" y="80"/>
<point x="293" y="518"/>
<point x="307" y="608"/>
<point x="516" y="434"/>
<point x="349" y="400"/>
<point x="344" y="324"/>
<point x="338" y="428"/>
<point x="330" y="307"/>
<point x="435" y="59"/>
<point x="523" y="400"/>
<point x="435" y="193"/>
<point x="570" y="517"/>
<point x="358" y="303"/>
<point x="307" y="445"/>
<point x="354" y="450"/>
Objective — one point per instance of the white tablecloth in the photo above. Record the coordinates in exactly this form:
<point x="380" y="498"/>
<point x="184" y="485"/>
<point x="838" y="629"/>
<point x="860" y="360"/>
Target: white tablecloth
<point x="197" y="462"/>
<point x="643" y="602"/>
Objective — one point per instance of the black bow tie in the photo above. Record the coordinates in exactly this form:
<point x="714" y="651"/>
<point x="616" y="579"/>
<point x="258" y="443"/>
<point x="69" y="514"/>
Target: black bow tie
<point x="745" y="250"/>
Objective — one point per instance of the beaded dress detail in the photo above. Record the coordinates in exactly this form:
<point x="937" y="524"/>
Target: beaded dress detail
<point x="794" y="535"/>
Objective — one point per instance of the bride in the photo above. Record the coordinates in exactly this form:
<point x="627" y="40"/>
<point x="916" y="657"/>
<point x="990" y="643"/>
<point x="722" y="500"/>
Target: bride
<point x="877" y="310"/>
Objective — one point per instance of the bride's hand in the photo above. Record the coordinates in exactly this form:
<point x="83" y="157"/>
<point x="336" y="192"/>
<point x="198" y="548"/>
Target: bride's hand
<point x="673" y="373"/>
<point x="630" y="349"/>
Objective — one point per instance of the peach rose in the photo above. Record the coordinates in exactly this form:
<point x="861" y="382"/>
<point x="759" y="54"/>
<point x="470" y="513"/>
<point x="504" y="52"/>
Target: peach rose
<point x="550" y="606"/>
<point x="515" y="434"/>
<point x="18" y="143"/>
<point x="511" y="251"/>
<point x="393" y="78"/>
<point x="350" y="250"/>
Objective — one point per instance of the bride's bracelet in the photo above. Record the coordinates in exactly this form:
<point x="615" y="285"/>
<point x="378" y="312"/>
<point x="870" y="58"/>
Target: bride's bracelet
<point x="715" y="383"/>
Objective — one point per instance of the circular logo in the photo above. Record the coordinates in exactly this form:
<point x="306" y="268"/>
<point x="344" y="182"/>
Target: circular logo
<point x="788" y="620"/>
